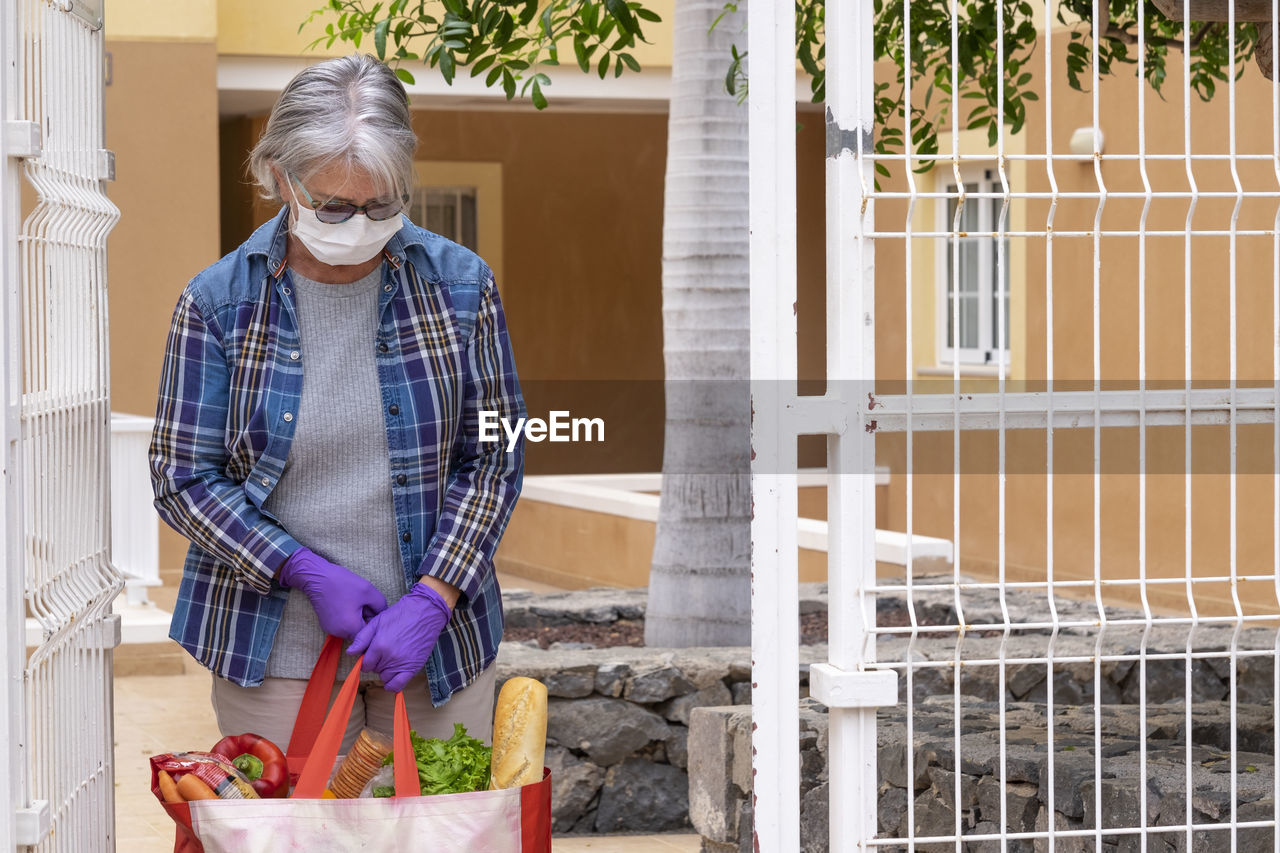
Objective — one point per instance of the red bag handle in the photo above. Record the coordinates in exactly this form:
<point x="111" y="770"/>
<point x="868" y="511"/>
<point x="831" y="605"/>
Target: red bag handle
<point x="323" y="751"/>
<point x="315" y="701"/>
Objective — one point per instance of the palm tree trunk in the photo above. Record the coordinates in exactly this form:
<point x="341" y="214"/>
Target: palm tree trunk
<point x="699" y="583"/>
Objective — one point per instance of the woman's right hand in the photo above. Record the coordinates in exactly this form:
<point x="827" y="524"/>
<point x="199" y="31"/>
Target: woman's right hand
<point x="343" y="600"/>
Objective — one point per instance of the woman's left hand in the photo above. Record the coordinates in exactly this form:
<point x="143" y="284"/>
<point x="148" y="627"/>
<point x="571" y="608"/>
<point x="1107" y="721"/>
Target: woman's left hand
<point x="397" y="642"/>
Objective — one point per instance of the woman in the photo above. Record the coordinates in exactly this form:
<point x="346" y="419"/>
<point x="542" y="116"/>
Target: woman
<point x="316" y="431"/>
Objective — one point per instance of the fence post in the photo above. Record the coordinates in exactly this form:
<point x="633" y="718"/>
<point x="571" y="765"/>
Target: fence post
<point x="14" y="790"/>
<point x="775" y="630"/>
<point x="843" y="684"/>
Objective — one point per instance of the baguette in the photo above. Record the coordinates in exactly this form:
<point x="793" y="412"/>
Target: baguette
<point x="519" y="734"/>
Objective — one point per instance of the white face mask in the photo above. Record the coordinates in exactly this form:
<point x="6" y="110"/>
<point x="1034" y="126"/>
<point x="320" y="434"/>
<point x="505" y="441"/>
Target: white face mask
<point x="346" y="243"/>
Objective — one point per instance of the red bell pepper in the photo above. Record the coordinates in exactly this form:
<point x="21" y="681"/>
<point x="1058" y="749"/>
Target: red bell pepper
<point x="259" y="759"/>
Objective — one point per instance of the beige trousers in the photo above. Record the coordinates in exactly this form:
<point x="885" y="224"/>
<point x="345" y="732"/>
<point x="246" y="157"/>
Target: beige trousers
<point x="270" y="709"/>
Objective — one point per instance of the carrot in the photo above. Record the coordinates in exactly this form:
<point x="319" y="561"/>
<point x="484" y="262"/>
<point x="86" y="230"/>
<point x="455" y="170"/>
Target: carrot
<point x="195" y="789"/>
<point x="169" y="788"/>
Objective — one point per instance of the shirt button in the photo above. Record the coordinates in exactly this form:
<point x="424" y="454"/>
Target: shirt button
<point x="387" y="288"/>
<point x="383" y="348"/>
<point x="295" y="355"/>
<point x="401" y="479"/>
<point x="266" y="481"/>
<point x="407" y="536"/>
<point x="394" y="409"/>
<point x="288" y="416"/>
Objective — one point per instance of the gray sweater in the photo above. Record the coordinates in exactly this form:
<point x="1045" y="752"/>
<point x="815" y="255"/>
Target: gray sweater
<point x="335" y="494"/>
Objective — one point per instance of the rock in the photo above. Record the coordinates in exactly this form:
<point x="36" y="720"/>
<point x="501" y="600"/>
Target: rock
<point x="932" y="681"/>
<point x="640" y="796"/>
<point x="815" y="820"/>
<point x="1022" y="678"/>
<point x="1120" y="802"/>
<point x="944" y="781"/>
<point x="892" y="762"/>
<point x="656" y="683"/>
<point x="573" y="682"/>
<point x="891" y="810"/>
<point x="713" y="794"/>
<point x="1021" y="802"/>
<point x="1072" y="767"/>
<point x="741" y="692"/>
<point x="574" y="787"/>
<point x="1166" y="681"/>
<point x="813" y="765"/>
<point x="1255" y="679"/>
<point x="705" y="667"/>
<point x="607" y="730"/>
<point x="599" y="604"/>
<point x="677" y="709"/>
<point x="934" y="816"/>
<point x="611" y="678"/>
<point x="677" y="744"/>
<point x="587" y="823"/>
<point x="746" y="827"/>
<point x="559" y="646"/>
<point x="709" y="846"/>
<point x="741" y="771"/>
<point x="1259" y="838"/>
<point x="1068" y="844"/>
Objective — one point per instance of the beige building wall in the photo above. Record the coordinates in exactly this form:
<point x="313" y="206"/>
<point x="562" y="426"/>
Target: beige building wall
<point x="161" y="122"/>
<point x="1026" y="556"/>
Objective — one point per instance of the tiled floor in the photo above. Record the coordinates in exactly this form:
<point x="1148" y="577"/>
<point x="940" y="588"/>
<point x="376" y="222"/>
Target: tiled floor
<point x="159" y="713"/>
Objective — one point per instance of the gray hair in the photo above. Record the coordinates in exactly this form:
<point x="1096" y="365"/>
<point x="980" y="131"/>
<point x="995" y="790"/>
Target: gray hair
<point x="351" y="110"/>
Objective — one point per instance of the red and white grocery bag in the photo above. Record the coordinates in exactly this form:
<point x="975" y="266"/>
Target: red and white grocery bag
<point x="511" y="820"/>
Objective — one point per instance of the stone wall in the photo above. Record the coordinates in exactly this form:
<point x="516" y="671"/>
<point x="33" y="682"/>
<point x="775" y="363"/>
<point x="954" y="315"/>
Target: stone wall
<point x="720" y="777"/>
<point x="618" y="718"/>
<point x="617" y="728"/>
<point x="654" y="740"/>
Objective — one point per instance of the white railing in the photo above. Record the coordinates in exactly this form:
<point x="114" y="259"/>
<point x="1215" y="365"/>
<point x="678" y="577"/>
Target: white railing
<point x="56" y="431"/>
<point x="135" y="527"/>
<point x="636" y="496"/>
<point x="1107" y="671"/>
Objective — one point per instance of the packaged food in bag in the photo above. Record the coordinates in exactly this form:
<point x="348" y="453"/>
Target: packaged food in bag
<point x="361" y="764"/>
<point x="384" y="779"/>
<point x="214" y="770"/>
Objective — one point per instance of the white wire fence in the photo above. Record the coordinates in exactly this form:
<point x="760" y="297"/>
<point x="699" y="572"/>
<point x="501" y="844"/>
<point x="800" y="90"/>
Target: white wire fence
<point x="1065" y="345"/>
<point x="58" y="329"/>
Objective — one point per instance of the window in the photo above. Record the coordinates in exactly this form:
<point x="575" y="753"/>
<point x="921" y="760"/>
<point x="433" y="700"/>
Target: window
<point x="461" y="200"/>
<point x="448" y="211"/>
<point x="974" y="291"/>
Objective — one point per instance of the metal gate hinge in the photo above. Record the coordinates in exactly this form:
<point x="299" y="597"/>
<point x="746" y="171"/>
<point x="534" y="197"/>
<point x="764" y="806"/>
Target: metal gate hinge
<point x="33" y="823"/>
<point x="22" y="139"/>
<point x="106" y="165"/>
<point x="838" y="688"/>
<point x="111" y="631"/>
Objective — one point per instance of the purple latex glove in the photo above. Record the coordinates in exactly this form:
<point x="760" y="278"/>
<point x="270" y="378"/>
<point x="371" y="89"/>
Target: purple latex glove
<point x="397" y="642"/>
<point x="343" y="600"/>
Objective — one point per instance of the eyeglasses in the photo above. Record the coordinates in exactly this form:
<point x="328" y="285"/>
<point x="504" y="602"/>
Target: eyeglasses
<point x="333" y="212"/>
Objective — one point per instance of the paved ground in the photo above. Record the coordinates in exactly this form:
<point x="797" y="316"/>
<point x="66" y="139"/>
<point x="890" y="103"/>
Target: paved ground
<point x="158" y="713"/>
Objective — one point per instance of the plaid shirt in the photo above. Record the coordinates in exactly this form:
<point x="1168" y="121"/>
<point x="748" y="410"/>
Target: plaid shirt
<point x="231" y="381"/>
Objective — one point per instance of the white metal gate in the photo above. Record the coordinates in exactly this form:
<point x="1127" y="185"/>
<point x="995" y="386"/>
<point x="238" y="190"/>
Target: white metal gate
<point x="1079" y="338"/>
<point x="59" y="769"/>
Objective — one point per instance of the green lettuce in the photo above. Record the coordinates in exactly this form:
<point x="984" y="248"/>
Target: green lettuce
<point x="452" y="766"/>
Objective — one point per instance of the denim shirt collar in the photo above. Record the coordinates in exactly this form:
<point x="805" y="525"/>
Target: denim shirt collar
<point x="271" y="241"/>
